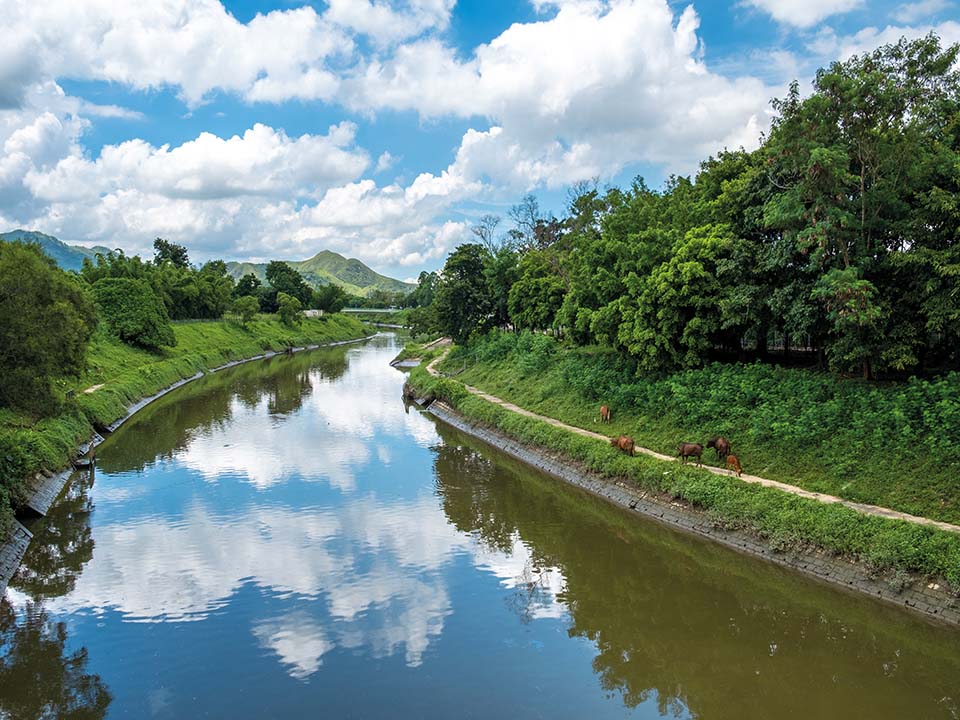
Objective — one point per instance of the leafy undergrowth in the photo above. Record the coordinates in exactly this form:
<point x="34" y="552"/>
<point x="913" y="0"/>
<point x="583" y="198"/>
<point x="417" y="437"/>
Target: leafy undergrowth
<point x="886" y="444"/>
<point x="128" y="374"/>
<point x="787" y="521"/>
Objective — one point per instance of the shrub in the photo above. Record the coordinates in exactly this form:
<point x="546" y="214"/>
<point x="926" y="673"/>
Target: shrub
<point x="246" y="307"/>
<point x="133" y="312"/>
<point x="289" y="309"/>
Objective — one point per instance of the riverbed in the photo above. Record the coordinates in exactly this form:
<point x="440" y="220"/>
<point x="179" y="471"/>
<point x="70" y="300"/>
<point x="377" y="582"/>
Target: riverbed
<point x="286" y="539"/>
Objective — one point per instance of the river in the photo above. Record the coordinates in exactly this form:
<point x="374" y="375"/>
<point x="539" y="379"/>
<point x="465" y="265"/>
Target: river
<point x="286" y="540"/>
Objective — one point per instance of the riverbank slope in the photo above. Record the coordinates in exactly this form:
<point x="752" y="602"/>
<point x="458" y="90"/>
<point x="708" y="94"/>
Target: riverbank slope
<point x="900" y="553"/>
<point x="884" y="444"/>
<point x="119" y="375"/>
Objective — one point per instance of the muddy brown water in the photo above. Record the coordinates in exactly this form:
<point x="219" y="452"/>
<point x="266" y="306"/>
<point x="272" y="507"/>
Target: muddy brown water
<point x="285" y="539"/>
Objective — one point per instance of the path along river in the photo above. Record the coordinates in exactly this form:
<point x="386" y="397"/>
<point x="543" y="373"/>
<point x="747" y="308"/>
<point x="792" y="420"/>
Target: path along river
<point x="285" y="539"/>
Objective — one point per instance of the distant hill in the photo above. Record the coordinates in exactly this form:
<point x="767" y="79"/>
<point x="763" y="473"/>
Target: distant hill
<point x="69" y="257"/>
<point x="324" y="268"/>
<point x="327" y="268"/>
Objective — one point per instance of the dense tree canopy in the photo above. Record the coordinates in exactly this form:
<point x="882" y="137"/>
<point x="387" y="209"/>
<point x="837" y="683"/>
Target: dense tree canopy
<point x="837" y="240"/>
<point x="46" y="320"/>
<point x="132" y="312"/>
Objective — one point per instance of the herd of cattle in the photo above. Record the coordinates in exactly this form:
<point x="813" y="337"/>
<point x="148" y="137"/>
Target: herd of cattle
<point x="685" y="451"/>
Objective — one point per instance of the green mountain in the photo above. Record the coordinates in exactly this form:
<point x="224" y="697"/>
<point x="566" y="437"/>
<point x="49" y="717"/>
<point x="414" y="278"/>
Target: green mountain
<point x="327" y="268"/>
<point x="69" y="257"/>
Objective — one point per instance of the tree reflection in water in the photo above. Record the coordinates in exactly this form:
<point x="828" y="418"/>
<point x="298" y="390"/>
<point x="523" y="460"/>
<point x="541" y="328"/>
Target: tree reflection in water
<point x="39" y="678"/>
<point x="62" y="544"/>
<point x="689" y="625"/>
<point x="166" y="427"/>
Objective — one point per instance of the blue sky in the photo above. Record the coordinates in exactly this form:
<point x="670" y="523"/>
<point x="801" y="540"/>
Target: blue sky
<point x="381" y="129"/>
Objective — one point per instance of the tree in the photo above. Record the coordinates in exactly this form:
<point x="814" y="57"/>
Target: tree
<point x="500" y="272"/>
<point x="246" y="307"/>
<point x="485" y="230"/>
<point x="46" y="320"/>
<point x="285" y="279"/>
<point x="671" y="317"/>
<point x="40" y="676"/>
<point x="289" y="309"/>
<point x="537" y="295"/>
<point x="862" y="168"/>
<point x="249" y="284"/>
<point x="133" y="312"/>
<point x="422" y="295"/>
<point x="330" y="298"/>
<point x="168" y="252"/>
<point x="462" y="303"/>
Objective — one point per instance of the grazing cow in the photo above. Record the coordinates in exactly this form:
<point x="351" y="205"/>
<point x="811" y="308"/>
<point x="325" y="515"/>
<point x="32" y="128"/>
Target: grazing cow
<point x="604" y="414"/>
<point x="689" y="450"/>
<point x="721" y="446"/>
<point x="623" y="443"/>
<point x="734" y="464"/>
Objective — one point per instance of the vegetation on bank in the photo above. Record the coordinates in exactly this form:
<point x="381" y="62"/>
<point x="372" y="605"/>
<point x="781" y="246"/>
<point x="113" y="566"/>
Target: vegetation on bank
<point x="126" y="373"/>
<point x="833" y="244"/>
<point x="888" y="547"/>
<point x="881" y="443"/>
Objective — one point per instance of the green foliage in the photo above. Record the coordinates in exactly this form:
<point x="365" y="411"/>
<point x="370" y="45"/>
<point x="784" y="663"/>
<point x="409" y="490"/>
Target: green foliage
<point x="462" y="302"/>
<point x="133" y="312"/>
<point x="289" y="309"/>
<point x="284" y="279"/>
<point x="329" y="298"/>
<point x="536" y="296"/>
<point x="246" y="307"/>
<point x="837" y="238"/>
<point x="423" y="294"/>
<point x="166" y="252"/>
<point x="186" y="293"/>
<point x="248" y="285"/>
<point x="46" y="320"/>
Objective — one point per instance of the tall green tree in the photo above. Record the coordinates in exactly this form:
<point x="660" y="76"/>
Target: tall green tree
<point x="46" y="320"/>
<point x="168" y="252"/>
<point x="862" y="165"/>
<point x="329" y="298"/>
<point x="285" y="279"/>
<point x="249" y="284"/>
<point x="462" y="302"/>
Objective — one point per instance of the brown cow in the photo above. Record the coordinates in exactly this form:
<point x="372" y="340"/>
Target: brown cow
<point x="604" y="414"/>
<point x="721" y="446"/>
<point x="623" y="443"/>
<point x="687" y="450"/>
<point x="734" y="464"/>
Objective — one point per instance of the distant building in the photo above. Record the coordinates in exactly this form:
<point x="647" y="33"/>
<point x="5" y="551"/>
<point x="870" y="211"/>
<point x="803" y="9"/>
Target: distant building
<point x="313" y="313"/>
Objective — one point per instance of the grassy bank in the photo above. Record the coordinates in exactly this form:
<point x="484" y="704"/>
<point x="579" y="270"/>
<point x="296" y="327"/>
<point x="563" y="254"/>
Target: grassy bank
<point x="888" y="547"/>
<point x="127" y="374"/>
<point x="886" y="444"/>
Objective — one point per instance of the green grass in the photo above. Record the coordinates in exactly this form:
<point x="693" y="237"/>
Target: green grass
<point x="892" y="445"/>
<point x="787" y="521"/>
<point x="128" y="374"/>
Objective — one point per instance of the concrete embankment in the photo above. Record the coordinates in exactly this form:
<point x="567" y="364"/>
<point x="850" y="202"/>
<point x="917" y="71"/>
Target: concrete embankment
<point x="46" y="488"/>
<point x="927" y="598"/>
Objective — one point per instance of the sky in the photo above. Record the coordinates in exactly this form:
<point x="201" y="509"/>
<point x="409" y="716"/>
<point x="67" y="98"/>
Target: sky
<point x="383" y="129"/>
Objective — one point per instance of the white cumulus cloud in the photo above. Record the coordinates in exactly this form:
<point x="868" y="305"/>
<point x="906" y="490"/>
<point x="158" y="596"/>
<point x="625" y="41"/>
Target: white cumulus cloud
<point x="803" y="13"/>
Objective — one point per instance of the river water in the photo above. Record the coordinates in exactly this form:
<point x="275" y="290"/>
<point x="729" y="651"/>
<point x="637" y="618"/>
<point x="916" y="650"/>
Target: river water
<point x="286" y="540"/>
